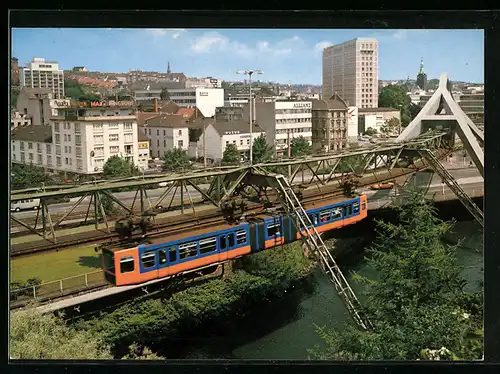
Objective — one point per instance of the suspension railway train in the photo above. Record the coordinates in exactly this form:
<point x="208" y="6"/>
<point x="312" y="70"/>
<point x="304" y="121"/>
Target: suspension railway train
<point x="165" y="257"/>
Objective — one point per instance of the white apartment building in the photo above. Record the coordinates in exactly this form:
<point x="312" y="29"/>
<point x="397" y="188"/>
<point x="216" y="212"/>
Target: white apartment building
<point x="205" y="99"/>
<point x="235" y="101"/>
<point x="376" y="117"/>
<point x="165" y="132"/>
<point x="283" y="120"/>
<point x="152" y="90"/>
<point x="350" y="69"/>
<point x="203" y="83"/>
<point x="78" y="140"/>
<point x="43" y="74"/>
<point x="219" y="135"/>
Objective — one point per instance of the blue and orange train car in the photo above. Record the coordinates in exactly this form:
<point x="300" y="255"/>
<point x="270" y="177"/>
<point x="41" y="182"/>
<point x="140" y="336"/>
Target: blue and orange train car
<point x="165" y="257"/>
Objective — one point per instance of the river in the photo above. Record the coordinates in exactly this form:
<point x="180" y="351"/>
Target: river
<point x="284" y="329"/>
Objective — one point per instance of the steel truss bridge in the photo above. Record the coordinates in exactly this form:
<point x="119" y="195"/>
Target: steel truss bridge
<point x="420" y="145"/>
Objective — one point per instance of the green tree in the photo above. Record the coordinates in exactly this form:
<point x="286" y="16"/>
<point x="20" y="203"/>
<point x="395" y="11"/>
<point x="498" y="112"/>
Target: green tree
<point x="395" y="97"/>
<point x="164" y="95"/>
<point x="432" y="84"/>
<point x="418" y="304"/>
<point x="231" y="155"/>
<point x="175" y="160"/>
<point x="300" y="147"/>
<point x="370" y="131"/>
<point x="76" y="91"/>
<point x="14" y="93"/>
<point x="25" y="176"/>
<point x="118" y="167"/>
<point x="194" y="134"/>
<point x="45" y="336"/>
<point x="391" y="126"/>
<point x="414" y="109"/>
<point x="262" y="151"/>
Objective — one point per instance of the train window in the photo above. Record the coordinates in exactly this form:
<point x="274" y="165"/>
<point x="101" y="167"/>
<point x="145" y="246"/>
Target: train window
<point x="162" y="256"/>
<point x="347" y="210"/>
<point x="222" y="242"/>
<point x="188" y="250"/>
<point x="337" y="213"/>
<point x="126" y="264"/>
<point x="208" y="245"/>
<point x="355" y="207"/>
<point x="363" y="206"/>
<point x="241" y="237"/>
<point x="148" y="259"/>
<point x="172" y="254"/>
<point x="230" y="240"/>
<point x="273" y="229"/>
<point x="324" y="215"/>
<point x="313" y="218"/>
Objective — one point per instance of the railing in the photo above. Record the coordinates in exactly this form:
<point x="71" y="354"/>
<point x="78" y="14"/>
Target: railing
<point x="58" y="288"/>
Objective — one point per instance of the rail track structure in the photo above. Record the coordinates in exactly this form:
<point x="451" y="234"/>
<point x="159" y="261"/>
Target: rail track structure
<point x="224" y="184"/>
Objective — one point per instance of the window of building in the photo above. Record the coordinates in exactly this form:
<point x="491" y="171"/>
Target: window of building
<point x="114" y="137"/>
<point x="148" y="259"/>
<point x="66" y="161"/>
<point x="98" y="139"/>
<point x="127" y="264"/>
<point x="114" y="149"/>
<point x="58" y="149"/>
<point x="65" y="149"/>
<point x="69" y="137"/>
<point x="149" y="131"/>
<point x="227" y="142"/>
<point x="56" y="126"/>
<point x="22" y="156"/>
<point x="30" y="145"/>
<point x="128" y="126"/>
<point x="39" y="159"/>
<point x="180" y="132"/>
<point x="65" y="138"/>
<point x="164" y="132"/>
<point x="97" y="127"/>
<point x="113" y="125"/>
<point x="13" y="147"/>
<point x="58" y="161"/>
<point x="180" y="143"/>
<point x="78" y="139"/>
<point x="49" y="160"/>
<point x="158" y="132"/>
<point x="158" y="144"/>
<point x="79" y="164"/>
<point x="70" y="162"/>
<point x="77" y="127"/>
<point x="128" y="138"/>
<point x="38" y="147"/>
<point x="99" y="151"/>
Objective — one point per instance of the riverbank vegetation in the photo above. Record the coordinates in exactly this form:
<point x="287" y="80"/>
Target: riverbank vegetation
<point x="418" y="305"/>
<point x="132" y="331"/>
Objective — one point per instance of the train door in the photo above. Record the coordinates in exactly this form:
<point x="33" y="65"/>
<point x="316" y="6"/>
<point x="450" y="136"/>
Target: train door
<point x="347" y="211"/>
<point x="222" y="241"/>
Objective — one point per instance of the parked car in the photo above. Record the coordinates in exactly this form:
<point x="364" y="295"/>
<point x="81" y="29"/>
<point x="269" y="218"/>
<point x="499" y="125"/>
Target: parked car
<point x="382" y="186"/>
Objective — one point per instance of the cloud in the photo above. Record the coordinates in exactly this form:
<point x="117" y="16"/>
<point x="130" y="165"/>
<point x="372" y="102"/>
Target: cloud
<point x="160" y="33"/>
<point x="318" y="47"/>
<point x="214" y="41"/>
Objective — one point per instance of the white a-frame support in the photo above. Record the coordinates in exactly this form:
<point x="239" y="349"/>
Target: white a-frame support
<point x="443" y="111"/>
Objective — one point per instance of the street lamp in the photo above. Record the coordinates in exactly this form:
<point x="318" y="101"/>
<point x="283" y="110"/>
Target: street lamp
<point x="249" y="73"/>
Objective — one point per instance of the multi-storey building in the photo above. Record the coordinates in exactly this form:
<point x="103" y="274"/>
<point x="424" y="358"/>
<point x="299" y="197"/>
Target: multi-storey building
<point x="43" y="74"/>
<point x="165" y="132"/>
<point x="351" y="70"/>
<point x="14" y="71"/>
<point x="143" y="150"/>
<point x="282" y="121"/>
<point x="329" y="124"/>
<point x="235" y="101"/>
<point x="39" y="105"/>
<point x="229" y="113"/>
<point x="218" y="135"/>
<point x="151" y="91"/>
<point x="375" y="118"/>
<point x="203" y="83"/>
<point x="205" y="99"/>
<point x="79" y="139"/>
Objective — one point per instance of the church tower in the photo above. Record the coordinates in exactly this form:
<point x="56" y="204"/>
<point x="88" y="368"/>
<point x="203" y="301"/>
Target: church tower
<point x="422" y="77"/>
<point x="168" y="68"/>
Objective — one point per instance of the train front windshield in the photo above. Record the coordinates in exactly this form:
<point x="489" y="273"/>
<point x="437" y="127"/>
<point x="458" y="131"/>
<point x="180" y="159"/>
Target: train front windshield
<point x="109" y="266"/>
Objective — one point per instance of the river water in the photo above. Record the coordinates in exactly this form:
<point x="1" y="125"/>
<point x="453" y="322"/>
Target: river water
<point x="284" y="329"/>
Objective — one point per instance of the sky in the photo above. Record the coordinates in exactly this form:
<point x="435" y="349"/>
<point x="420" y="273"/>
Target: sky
<point x="284" y="55"/>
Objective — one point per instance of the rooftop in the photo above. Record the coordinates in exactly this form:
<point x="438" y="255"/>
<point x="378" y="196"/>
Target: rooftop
<point x="33" y="133"/>
<point x="166" y="120"/>
<point x="335" y="103"/>
<point x="376" y="110"/>
<point x="34" y="92"/>
<point x="235" y="127"/>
